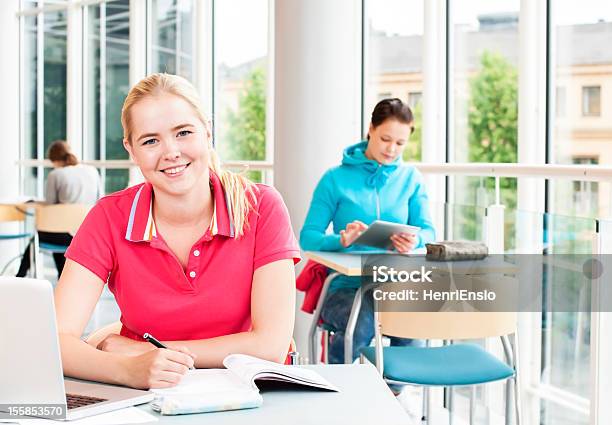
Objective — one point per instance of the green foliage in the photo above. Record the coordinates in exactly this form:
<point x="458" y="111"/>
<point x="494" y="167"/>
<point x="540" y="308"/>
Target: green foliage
<point x="245" y="137"/>
<point x="493" y="113"/>
<point x="413" y="150"/>
<point x="493" y="118"/>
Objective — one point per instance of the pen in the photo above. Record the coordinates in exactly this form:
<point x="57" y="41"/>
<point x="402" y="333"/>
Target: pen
<point x="150" y="338"/>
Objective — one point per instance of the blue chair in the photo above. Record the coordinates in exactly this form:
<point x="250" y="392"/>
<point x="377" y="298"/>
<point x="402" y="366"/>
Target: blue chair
<point x="460" y="364"/>
<point x="13" y="213"/>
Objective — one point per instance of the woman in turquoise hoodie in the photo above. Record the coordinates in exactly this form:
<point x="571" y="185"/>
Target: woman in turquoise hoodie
<point x="371" y="184"/>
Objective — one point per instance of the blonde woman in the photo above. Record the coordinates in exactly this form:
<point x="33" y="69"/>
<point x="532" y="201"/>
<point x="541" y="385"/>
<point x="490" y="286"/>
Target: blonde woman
<point x="199" y="257"/>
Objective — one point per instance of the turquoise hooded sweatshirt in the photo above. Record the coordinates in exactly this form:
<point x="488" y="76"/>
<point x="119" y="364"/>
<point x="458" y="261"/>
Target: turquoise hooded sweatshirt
<point x="362" y="189"/>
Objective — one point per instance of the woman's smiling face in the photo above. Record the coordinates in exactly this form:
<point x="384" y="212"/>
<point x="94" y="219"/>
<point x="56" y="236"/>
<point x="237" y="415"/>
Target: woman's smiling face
<point x="169" y="143"/>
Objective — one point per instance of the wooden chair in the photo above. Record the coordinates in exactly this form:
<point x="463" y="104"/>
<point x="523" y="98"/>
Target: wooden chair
<point x="57" y="218"/>
<point x="8" y="214"/>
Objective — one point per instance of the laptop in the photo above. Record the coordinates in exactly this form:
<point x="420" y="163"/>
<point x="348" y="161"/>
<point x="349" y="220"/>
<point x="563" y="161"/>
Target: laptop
<point x="30" y="363"/>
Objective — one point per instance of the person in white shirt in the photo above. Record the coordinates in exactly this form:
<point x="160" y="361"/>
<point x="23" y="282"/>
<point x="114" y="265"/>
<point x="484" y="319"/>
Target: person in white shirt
<point x="68" y="183"/>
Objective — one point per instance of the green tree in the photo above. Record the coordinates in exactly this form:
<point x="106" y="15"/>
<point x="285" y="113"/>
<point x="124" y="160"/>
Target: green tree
<point x="492" y="133"/>
<point x="493" y="112"/>
<point x="245" y="137"/>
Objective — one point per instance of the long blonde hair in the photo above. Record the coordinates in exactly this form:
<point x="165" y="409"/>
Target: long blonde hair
<point x="239" y="191"/>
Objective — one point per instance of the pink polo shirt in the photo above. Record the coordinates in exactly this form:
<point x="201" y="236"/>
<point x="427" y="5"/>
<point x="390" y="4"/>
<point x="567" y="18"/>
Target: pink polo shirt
<point x="118" y="242"/>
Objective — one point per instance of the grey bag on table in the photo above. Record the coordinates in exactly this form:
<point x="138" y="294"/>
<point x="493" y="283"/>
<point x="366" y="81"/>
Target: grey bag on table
<point x="456" y="251"/>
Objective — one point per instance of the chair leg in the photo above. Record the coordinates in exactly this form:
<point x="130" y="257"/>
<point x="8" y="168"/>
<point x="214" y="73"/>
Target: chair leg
<point x="8" y="264"/>
<point x="472" y="405"/>
<point x="517" y="402"/>
<point x="509" y="389"/>
<point x="450" y="405"/>
<point x="426" y="405"/>
<point x="325" y="346"/>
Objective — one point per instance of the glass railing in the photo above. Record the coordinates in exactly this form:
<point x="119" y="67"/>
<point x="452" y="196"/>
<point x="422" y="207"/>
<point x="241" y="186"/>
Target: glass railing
<point x="564" y="352"/>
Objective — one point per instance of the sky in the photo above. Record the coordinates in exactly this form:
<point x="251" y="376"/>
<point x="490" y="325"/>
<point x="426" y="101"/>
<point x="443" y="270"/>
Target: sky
<point x="242" y="25"/>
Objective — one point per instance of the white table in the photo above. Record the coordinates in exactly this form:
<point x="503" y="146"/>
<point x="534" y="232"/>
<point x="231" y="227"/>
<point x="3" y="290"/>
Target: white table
<point x="364" y="398"/>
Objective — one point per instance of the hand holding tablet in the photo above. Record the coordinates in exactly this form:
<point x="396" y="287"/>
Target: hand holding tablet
<point x="384" y="234"/>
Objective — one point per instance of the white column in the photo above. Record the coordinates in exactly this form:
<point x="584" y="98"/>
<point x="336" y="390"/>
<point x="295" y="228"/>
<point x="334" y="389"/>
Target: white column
<point x="203" y="52"/>
<point x="317" y="100"/>
<point x="530" y="200"/>
<point x="138" y="41"/>
<point x="138" y="58"/>
<point x="434" y="105"/>
<point x="9" y="115"/>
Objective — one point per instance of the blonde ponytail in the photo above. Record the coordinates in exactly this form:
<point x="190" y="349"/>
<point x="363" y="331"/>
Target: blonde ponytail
<point x="239" y="191"/>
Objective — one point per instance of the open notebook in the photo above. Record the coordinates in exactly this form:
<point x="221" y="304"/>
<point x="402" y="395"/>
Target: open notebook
<point x="212" y="390"/>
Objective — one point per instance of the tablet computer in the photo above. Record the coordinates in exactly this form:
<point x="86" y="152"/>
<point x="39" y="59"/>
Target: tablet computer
<point x="379" y="232"/>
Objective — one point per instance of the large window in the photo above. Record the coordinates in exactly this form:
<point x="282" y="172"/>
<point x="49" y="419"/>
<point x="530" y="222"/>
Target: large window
<point x="106" y="84"/>
<point x="44" y="89"/>
<point x="394" y="66"/>
<point x="172" y="37"/>
<point x="483" y="113"/>
<point x="241" y="56"/>
<point x="579" y="134"/>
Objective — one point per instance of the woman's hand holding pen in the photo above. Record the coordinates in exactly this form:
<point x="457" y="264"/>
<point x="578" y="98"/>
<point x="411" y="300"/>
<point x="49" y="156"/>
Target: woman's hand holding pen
<point x="148" y="366"/>
<point x="157" y="368"/>
<point x="352" y="232"/>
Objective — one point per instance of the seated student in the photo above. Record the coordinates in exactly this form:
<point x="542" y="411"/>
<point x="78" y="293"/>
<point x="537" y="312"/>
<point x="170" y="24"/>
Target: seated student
<point x="196" y="255"/>
<point x="371" y="184"/>
<point x="68" y="183"/>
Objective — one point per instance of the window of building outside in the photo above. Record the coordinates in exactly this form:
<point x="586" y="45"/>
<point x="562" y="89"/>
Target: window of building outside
<point x="581" y="62"/>
<point x="560" y="104"/>
<point x="241" y="67"/>
<point x="483" y="120"/>
<point x="172" y="37"/>
<point x="105" y="86"/>
<point x="394" y="45"/>
<point x="591" y="101"/>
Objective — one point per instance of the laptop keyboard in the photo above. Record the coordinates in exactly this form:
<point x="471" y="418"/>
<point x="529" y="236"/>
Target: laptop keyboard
<point x="75" y="400"/>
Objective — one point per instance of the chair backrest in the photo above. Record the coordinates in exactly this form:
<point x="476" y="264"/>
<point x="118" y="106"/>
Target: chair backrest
<point x="447" y="325"/>
<point x="454" y="320"/>
<point x="11" y="213"/>
<point x="61" y="218"/>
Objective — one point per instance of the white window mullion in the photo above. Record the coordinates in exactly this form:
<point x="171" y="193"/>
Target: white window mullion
<point x="103" y="93"/>
<point x="601" y="329"/>
<point x="530" y="192"/>
<point x="177" y="39"/>
<point x="434" y="103"/>
<point x="203" y="52"/>
<point x="74" y="78"/>
<point x="139" y="33"/>
<point x="23" y="171"/>
<point x="40" y="102"/>
<point x="268" y="175"/>
<point x="138" y="40"/>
